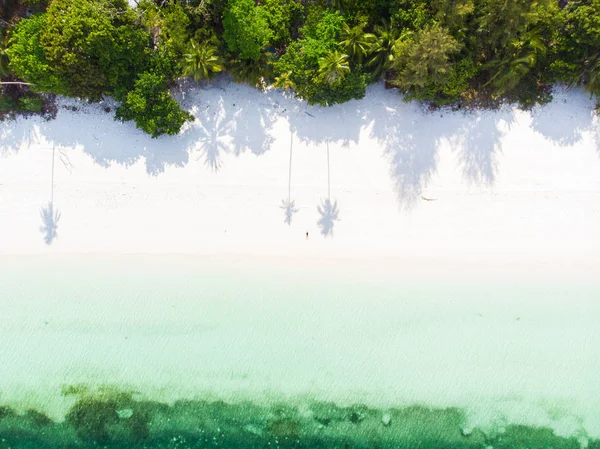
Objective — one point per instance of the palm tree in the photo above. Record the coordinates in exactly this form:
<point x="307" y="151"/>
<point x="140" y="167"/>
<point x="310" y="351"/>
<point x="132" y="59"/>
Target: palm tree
<point x="356" y="42"/>
<point x="252" y="72"/>
<point x="284" y="81"/>
<point x="514" y="66"/>
<point x="201" y="61"/>
<point x="334" y="67"/>
<point x="381" y="50"/>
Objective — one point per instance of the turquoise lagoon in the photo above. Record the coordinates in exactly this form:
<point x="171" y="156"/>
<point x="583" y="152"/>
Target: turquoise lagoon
<point x="178" y="352"/>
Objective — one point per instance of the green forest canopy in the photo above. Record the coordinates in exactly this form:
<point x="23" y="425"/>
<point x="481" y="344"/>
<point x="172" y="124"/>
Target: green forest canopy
<point x="445" y="52"/>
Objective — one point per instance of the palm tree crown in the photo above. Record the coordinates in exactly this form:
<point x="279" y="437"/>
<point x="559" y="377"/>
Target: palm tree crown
<point x="509" y="70"/>
<point x="285" y="82"/>
<point x="381" y="50"/>
<point x="201" y="61"/>
<point x="333" y="67"/>
<point x="355" y="42"/>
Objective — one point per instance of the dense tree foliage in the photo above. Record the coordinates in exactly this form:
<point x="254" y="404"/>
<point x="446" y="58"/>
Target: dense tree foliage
<point x="27" y="56"/>
<point x="464" y="52"/>
<point x="577" y="52"/>
<point x="151" y="107"/>
<point x="246" y="28"/>
<point x="94" y="46"/>
<point x="315" y="66"/>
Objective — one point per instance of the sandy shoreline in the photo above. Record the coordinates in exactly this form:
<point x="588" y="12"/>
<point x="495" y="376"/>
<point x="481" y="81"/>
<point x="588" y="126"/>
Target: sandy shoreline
<point x="510" y="190"/>
<point x="158" y="255"/>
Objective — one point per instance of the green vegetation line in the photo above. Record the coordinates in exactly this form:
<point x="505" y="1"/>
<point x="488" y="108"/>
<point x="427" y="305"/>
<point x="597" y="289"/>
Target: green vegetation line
<point x="464" y="53"/>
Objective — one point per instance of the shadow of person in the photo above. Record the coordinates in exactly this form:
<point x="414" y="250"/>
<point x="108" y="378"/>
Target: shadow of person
<point x="49" y="227"/>
<point x="328" y="215"/>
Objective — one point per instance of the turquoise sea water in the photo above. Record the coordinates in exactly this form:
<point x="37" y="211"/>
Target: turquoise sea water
<point x="184" y="352"/>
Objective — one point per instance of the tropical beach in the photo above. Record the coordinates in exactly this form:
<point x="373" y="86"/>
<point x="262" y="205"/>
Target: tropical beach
<point x="257" y="171"/>
<point x="299" y="224"/>
<point x="373" y="254"/>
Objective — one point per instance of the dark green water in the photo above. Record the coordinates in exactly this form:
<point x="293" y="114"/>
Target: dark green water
<point x="113" y="419"/>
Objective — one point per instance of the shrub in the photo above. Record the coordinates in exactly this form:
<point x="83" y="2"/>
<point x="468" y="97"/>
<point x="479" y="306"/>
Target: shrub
<point x="6" y="103"/>
<point x="31" y="104"/>
<point x="151" y="107"/>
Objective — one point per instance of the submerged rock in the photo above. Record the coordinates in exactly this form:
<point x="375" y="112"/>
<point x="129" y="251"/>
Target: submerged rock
<point x="254" y="429"/>
<point x="125" y="413"/>
<point x="466" y="431"/>
<point x="386" y="419"/>
<point x="356" y="417"/>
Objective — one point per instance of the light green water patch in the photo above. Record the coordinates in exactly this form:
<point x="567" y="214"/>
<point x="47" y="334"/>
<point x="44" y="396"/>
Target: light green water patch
<point x="186" y="335"/>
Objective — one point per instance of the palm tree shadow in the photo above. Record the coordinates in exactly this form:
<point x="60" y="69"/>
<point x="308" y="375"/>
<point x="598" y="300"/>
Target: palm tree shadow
<point x="289" y="208"/>
<point x="481" y="146"/>
<point x="329" y="214"/>
<point x="251" y="125"/>
<point x="49" y="226"/>
<point x="410" y="138"/>
<point x="213" y="131"/>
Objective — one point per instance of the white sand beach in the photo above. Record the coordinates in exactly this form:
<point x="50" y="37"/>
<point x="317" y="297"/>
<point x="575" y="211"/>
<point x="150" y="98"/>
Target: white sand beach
<point x="181" y="263"/>
<point x="501" y="191"/>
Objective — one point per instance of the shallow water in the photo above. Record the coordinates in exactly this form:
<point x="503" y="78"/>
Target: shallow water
<point x="180" y="352"/>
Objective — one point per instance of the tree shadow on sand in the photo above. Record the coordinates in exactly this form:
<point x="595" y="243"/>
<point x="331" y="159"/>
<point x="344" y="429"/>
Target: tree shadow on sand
<point x="288" y="205"/>
<point x="565" y="120"/>
<point x="328" y="211"/>
<point x="289" y="209"/>
<point x="229" y="124"/>
<point x="315" y="125"/>
<point x="328" y="215"/>
<point x="213" y="132"/>
<point x="253" y="119"/>
<point x="411" y="137"/>
<point x="224" y="124"/>
<point x="410" y="140"/>
<point x="479" y="144"/>
<point x="19" y="133"/>
<point x="110" y="142"/>
<point x="49" y="227"/>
